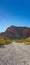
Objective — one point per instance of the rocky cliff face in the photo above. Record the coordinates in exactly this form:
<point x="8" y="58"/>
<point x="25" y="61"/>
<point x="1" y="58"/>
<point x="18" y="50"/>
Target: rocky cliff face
<point x="14" y="32"/>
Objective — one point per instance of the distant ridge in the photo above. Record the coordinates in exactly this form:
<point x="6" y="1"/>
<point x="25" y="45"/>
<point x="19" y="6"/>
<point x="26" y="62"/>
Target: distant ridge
<point x="15" y="32"/>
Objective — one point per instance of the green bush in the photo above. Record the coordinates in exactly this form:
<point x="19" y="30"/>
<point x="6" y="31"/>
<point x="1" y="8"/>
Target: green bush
<point x="2" y="42"/>
<point x="5" y="41"/>
<point x="19" y="41"/>
<point x="25" y="41"/>
<point x="8" y="41"/>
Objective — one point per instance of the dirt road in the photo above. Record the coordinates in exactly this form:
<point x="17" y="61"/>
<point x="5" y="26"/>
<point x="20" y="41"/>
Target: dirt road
<point x="15" y="54"/>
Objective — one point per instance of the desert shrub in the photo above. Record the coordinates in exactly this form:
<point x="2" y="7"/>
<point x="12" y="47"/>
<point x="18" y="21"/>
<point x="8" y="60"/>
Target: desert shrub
<point x="25" y="41"/>
<point x="2" y="42"/>
<point x="19" y="41"/>
<point x="8" y="41"/>
<point x="5" y="41"/>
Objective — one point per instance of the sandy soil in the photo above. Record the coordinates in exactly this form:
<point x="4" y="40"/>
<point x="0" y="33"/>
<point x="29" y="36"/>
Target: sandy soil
<point x="15" y="54"/>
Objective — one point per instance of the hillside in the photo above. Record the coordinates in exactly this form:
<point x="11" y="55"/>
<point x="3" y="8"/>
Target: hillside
<point x="14" y="32"/>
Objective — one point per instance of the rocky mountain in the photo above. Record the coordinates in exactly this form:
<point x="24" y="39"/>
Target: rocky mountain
<point x="14" y="32"/>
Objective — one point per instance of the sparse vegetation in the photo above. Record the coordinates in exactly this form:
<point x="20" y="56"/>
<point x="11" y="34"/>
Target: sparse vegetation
<point x="19" y="41"/>
<point x="8" y="41"/>
<point x="25" y="41"/>
<point x="4" y="41"/>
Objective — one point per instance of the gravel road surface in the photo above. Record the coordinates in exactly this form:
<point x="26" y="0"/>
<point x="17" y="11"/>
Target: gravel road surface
<point x="15" y="54"/>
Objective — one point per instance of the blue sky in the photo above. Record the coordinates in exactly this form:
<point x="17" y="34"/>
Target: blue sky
<point x="14" y="12"/>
